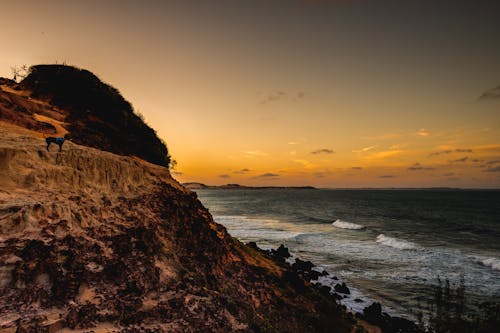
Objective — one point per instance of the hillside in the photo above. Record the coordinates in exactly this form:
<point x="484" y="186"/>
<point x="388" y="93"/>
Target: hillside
<point x="96" y="114"/>
<point x="95" y="241"/>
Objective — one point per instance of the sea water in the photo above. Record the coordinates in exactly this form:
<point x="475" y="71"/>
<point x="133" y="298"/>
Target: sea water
<point x="387" y="245"/>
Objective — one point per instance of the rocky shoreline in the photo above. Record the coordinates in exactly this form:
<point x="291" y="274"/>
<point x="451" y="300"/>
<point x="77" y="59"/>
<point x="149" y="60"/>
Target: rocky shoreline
<point x="306" y="270"/>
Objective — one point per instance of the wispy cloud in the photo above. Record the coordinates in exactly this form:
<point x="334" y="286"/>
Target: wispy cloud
<point x="321" y="174"/>
<point x="490" y="94"/>
<point x="492" y="169"/>
<point x="384" y="154"/>
<point x="279" y="95"/>
<point x="488" y="147"/>
<point x="224" y="176"/>
<point x="268" y="175"/>
<point x="418" y="167"/>
<point x="423" y="132"/>
<point x="177" y="173"/>
<point x="357" y="168"/>
<point x="293" y="143"/>
<point x="305" y="163"/>
<point x="450" y="151"/>
<point x="387" y="176"/>
<point x="242" y="171"/>
<point x="255" y="153"/>
<point x="460" y="160"/>
<point x="323" y="151"/>
<point x="364" y="149"/>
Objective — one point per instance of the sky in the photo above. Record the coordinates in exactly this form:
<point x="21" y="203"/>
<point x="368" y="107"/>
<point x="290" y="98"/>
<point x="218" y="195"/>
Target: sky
<point x="329" y="93"/>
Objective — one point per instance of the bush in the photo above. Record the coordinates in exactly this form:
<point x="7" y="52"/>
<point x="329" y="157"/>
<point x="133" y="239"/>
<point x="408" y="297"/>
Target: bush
<point x="450" y="313"/>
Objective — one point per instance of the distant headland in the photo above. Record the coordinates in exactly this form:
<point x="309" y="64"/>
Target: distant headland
<point x="201" y="186"/>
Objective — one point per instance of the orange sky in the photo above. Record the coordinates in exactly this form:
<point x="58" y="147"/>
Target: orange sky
<point x="331" y="94"/>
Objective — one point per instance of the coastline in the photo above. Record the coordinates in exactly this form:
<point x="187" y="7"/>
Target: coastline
<point x="201" y="186"/>
<point x="367" y="311"/>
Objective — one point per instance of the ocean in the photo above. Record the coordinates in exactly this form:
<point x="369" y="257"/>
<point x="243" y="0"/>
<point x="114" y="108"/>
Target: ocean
<point x="387" y="245"/>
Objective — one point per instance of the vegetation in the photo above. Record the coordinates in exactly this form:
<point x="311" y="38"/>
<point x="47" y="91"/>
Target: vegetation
<point x="450" y="313"/>
<point x="98" y="115"/>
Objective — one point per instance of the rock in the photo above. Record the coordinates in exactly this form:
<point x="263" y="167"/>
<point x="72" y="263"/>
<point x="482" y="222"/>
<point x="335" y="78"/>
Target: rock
<point x="282" y="252"/>
<point x="254" y="246"/>
<point x="342" y="288"/>
<point x="374" y="315"/>
<point x="304" y="266"/>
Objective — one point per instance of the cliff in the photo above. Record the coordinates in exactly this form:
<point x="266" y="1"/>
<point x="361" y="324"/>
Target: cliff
<point x="92" y="240"/>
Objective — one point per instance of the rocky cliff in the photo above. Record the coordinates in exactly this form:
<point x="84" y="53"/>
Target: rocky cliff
<point x="95" y="241"/>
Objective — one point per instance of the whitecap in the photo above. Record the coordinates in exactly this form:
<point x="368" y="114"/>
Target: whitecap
<point x="347" y="225"/>
<point x="395" y="243"/>
<point x="492" y="262"/>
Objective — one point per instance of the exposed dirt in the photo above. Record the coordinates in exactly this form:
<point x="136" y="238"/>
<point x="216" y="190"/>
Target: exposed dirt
<point x="90" y="239"/>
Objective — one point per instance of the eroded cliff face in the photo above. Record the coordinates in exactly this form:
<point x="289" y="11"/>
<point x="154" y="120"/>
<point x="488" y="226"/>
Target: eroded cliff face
<point x="89" y="239"/>
<point x="93" y="241"/>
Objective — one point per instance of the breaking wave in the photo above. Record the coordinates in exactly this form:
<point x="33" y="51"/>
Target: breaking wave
<point x="492" y="262"/>
<point x="395" y="243"/>
<point x="347" y="225"/>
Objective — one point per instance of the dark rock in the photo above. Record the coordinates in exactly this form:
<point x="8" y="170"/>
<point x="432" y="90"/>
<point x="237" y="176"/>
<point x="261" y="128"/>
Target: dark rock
<point x="342" y="288"/>
<point x="282" y="252"/>
<point x="374" y="315"/>
<point x="300" y="265"/>
<point x="253" y="245"/>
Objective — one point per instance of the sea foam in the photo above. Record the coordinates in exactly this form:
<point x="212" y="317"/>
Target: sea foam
<point x="395" y="243"/>
<point x="492" y="262"/>
<point x="347" y="225"/>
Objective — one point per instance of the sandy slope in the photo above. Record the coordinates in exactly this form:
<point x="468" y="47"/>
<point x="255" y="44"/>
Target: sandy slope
<point x="93" y="239"/>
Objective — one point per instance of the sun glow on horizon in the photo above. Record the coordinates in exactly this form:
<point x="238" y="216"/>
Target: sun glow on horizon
<point x="291" y="93"/>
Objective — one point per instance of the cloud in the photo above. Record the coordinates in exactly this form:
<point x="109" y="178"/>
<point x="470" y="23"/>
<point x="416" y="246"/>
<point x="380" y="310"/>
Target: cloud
<point x="493" y="93"/>
<point x="242" y="171"/>
<point x="293" y="143"/>
<point x="463" y="159"/>
<point x="384" y="154"/>
<point x="492" y="162"/>
<point x="177" y="173"/>
<point x="255" y="153"/>
<point x="387" y="176"/>
<point x="305" y="163"/>
<point x="268" y="175"/>
<point x="321" y="174"/>
<point x="357" y="168"/>
<point x="322" y="151"/>
<point x="493" y="169"/>
<point x="423" y="132"/>
<point x="279" y="95"/>
<point x="273" y="96"/>
<point x="449" y="174"/>
<point x="365" y="149"/>
<point x="450" y="151"/>
<point x="224" y="176"/>
<point x="418" y="166"/>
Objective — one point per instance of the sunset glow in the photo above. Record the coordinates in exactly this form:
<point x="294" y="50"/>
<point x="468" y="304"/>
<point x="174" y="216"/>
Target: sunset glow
<point x="323" y="93"/>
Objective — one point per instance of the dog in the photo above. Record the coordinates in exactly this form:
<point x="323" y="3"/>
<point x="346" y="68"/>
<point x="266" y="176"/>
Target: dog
<point x="57" y="141"/>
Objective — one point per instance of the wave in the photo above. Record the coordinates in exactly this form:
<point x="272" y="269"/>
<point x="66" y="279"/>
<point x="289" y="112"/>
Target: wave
<point x="492" y="262"/>
<point x="395" y="243"/>
<point x="347" y="225"/>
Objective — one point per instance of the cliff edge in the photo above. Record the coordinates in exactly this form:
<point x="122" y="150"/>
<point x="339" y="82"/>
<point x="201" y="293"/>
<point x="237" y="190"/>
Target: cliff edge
<point x="95" y="241"/>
